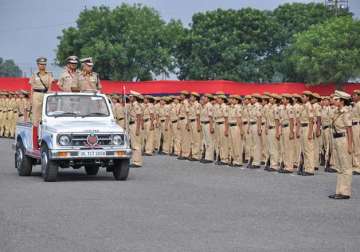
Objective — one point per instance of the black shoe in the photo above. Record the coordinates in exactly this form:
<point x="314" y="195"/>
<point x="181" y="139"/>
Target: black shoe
<point x="295" y="167"/>
<point x="285" y="171"/>
<point x="308" y="174"/>
<point x="255" y="167"/>
<point x="221" y="163"/>
<point x="266" y="168"/>
<point x="135" y="166"/>
<point x="316" y="168"/>
<point x="181" y="158"/>
<point x="339" y="196"/>
<point x="148" y="154"/>
<point x="246" y="161"/>
<point x="237" y="165"/>
<point x="331" y="170"/>
<point x="206" y="161"/>
<point x="354" y="172"/>
<point x="272" y="170"/>
<point x="262" y="163"/>
<point x="193" y="159"/>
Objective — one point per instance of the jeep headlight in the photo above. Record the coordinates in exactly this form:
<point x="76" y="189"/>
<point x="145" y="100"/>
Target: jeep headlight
<point x="118" y="140"/>
<point x="64" y="140"/>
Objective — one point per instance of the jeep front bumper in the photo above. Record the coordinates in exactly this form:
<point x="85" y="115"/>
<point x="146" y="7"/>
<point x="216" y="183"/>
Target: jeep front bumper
<point x="90" y="154"/>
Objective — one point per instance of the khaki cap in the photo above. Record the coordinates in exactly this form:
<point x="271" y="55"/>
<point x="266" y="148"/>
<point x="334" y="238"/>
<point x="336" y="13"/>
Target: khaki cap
<point x="316" y="95"/>
<point x="287" y="96"/>
<point x="247" y="97"/>
<point x="136" y="94"/>
<point x="308" y="93"/>
<point x="184" y="92"/>
<point x="266" y="94"/>
<point x="88" y="61"/>
<point x="256" y="95"/>
<point x="357" y="91"/>
<point x="342" y="95"/>
<point x="195" y="94"/>
<point x="220" y="93"/>
<point x="296" y="95"/>
<point x="41" y="60"/>
<point x="222" y="96"/>
<point x="72" y="59"/>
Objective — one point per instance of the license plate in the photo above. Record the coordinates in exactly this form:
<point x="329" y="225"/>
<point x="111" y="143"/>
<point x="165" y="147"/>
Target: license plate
<point x="92" y="153"/>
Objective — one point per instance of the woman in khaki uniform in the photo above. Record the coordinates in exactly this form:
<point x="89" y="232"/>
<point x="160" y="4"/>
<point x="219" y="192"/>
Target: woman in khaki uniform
<point x="235" y="131"/>
<point x="40" y="84"/>
<point x="343" y="143"/>
<point x="148" y="121"/>
<point x="195" y="127"/>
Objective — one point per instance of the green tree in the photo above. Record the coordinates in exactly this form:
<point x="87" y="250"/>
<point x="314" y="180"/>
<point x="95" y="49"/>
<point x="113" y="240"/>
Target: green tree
<point x="8" y="68"/>
<point x="227" y="44"/>
<point x="129" y="42"/>
<point x="294" y="18"/>
<point x="328" y="52"/>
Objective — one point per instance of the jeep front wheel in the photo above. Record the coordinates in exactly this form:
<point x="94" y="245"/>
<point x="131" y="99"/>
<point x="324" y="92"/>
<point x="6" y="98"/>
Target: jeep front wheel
<point x="23" y="163"/>
<point x="121" y="169"/>
<point x="49" y="168"/>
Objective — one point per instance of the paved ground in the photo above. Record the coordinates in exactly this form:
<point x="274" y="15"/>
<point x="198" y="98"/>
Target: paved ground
<point x="172" y="205"/>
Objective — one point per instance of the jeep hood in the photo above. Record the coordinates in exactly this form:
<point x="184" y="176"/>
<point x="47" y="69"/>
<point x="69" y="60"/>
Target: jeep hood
<point x="84" y="126"/>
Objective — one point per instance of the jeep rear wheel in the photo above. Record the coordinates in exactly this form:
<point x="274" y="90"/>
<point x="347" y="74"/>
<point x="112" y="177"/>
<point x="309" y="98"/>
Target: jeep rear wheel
<point x="91" y="169"/>
<point x="49" y="168"/>
<point x="121" y="169"/>
<point x="23" y="163"/>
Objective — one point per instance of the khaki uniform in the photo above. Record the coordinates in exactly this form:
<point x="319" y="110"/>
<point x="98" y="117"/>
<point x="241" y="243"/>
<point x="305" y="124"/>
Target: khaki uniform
<point x="326" y="116"/>
<point x="307" y="146"/>
<point x="297" y="143"/>
<point x="135" y="111"/>
<point x="69" y="80"/>
<point x="264" y="145"/>
<point x="246" y="121"/>
<point x="119" y="113"/>
<point x="255" y="114"/>
<point x="235" y="141"/>
<point x="220" y="113"/>
<point x="2" y="115"/>
<point x="174" y="132"/>
<point x="148" y="118"/>
<point x="286" y="117"/>
<point x="157" y="133"/>
<point x="89" y="81"/>
<point x="356" y="136"/>
<point x="206" y="115"/>
<point x="341" y="120"/>
<point x="184" y="129"/>
<point x="317" y="140"/>
<point x="37" y="83"/>
<point x="273" y="143"/>
<point x="163" y="121"/>
<point x="195" y="130"/>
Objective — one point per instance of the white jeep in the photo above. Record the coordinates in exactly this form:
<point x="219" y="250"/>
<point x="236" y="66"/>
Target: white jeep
<point x="77" y="129"/>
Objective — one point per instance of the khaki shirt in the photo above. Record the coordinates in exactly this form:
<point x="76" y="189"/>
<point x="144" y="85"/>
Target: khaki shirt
<point x="206" y="112"/>
<point x="184" y="109"/>
<point x="148" y="110"/>
<point x="326" y="116"/>
<point x="163" y="112"/>
<point x="36" y="81"/>
<point x="234" y="113"/>
<point x="220" y="112"/>
<point x="119" y="111"/>
<point x="194" y="110"/>
<point x="271" y="115"/>
<point x="306" y="113"/>
<point x="245" y="113"/>
<point x="89" y="81"/>
<point x="134" y="110"/>
<point x="285" y="114"/>
<point x="173" y="112"/>
<point x="255" y="112"/>
<point x="68" y="80"/>
<point x="342" y="119"/>
<point x="355" y="112"/>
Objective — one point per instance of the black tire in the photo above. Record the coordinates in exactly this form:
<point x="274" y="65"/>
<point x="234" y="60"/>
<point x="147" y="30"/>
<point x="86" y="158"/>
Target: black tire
<point x="91" y="169"/>
<point x="49" y="168"/>
<point x="23" y="163"/>
<point x="121" y="169"/>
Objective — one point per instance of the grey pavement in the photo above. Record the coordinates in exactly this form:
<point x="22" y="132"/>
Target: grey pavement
<point x="171" y="205"/>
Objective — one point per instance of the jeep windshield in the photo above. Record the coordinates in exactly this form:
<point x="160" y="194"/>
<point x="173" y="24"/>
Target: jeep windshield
<point x="76" y="106"/>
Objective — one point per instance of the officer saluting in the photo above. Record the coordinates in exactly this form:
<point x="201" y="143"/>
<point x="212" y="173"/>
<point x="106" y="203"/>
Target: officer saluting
<point x="40" y="84"/>
<point x="69" y="79"/>
<point x="88" y="80"/>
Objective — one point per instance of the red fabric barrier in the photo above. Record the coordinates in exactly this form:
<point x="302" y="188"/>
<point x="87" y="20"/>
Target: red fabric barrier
<point x="174" y="86"/>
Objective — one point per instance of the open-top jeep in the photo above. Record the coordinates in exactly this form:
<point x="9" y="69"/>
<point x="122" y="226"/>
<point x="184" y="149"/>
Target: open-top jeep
<point x="76" y="130"/>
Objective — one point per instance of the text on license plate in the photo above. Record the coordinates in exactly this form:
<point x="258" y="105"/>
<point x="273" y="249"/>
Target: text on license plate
<point x="92" y="153"/>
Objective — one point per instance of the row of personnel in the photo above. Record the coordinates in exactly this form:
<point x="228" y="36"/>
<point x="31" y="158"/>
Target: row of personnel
<point x="285" y="132"/>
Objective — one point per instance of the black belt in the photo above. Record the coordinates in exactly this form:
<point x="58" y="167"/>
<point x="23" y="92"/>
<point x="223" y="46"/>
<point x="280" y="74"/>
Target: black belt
<point x="271" y="127"/>
<point x="355" y="123"/>
<point x="262" y="123"/>
<point x="219" y="123"/>
<point x="232" y="124"/>
<point x="162" y="120"/>
<point x="304" y="124"/>
<point x="326" y="127"/>
<point x="245" y="123"/>
<point x="338" y="135"/>
<point x="130" y="123"/>
<point x="145" y="120"/>
<point x="285" y="125"/>
<point x="39" y="90"/>
<point x="181" y="118"/>
<point x="21" y="114"/>
<point x="174" y="121"/>
<point x="205" y="122"/>
<point x="15" y="112"/>
<point x="119" y="119"/>
<point x="192" y="120"/>
<point x="252" y="123"/>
